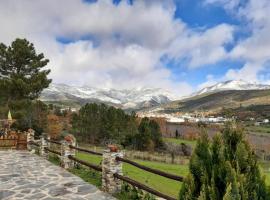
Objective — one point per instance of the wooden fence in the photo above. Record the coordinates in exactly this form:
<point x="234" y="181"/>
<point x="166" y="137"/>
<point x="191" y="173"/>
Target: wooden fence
<point x="14" y="140"/>
<point x="116" y="175"/>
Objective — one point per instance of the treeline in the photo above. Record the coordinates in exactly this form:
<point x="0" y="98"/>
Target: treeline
<point x="99" y="123"/>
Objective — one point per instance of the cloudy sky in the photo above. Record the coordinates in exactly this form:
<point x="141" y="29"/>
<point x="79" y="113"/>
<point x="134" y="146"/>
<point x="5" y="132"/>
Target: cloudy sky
<point x="179" y="45"/>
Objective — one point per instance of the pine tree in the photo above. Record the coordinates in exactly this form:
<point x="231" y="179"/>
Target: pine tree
<point x="22" y="79"/>
<point x="21" y="70"/>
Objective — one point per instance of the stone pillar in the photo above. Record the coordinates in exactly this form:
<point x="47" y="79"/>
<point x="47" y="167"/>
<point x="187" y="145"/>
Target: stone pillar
<point x="48" y="143"/>
<point x="111" y="166"/>
<point x="66" y="163"/>
<point x="43" y="145"/>
<point x="30" y="138"/>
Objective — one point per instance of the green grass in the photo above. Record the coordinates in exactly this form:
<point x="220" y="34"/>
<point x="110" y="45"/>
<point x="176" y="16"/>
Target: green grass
<point x="180" y="141"/>
<point x="259" y="129"/>
<point x="159" y="183"/>
<point x="88" y="175"/>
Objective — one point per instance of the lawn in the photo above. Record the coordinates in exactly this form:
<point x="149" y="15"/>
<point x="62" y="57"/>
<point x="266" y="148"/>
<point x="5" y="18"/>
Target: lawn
<point x="180" y="141"/>
<point x="159" y="183"/>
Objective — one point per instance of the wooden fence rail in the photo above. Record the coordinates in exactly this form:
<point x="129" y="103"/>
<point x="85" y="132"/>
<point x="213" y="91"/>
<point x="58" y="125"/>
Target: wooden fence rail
<point x="95" y="167"/>
<point x="118" y="176"/>
<point x="15" y="140"/>
<point x="34" y="143"/>
<point x="53" y="141"/>
<point x="52" y="151"/>
<point x="85" y="150"/>
<point x="143" y="187"/>
<point x="154" y="171"/>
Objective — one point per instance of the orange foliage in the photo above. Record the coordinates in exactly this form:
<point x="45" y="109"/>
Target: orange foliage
<point x="54" y="127"/>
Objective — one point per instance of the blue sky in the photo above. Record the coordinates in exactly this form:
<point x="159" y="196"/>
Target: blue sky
<point x="179" y="45"/>
<point x="197" y="15"/>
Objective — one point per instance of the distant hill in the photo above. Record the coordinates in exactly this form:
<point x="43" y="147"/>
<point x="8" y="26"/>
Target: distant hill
<point x="232" y="85"/>
<point x="216" y="101"/>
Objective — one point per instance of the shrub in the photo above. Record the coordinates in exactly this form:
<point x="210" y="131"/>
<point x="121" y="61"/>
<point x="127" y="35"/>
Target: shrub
<point x="224" y="169"/>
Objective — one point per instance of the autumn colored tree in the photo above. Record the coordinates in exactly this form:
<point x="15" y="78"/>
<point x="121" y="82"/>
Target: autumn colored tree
<point x="54" y="127"/>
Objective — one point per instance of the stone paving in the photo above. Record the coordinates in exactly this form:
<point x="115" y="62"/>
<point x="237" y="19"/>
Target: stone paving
<point x="27" y="176"/>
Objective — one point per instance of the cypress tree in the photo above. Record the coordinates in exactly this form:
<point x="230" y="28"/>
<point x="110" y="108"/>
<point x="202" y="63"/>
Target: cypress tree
<point x="224" y="169"/>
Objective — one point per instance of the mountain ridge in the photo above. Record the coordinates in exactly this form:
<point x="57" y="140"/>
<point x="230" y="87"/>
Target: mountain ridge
<point x="232" y="85"/>
<point x="135" y="98"/>
<point x="228" y="94"/>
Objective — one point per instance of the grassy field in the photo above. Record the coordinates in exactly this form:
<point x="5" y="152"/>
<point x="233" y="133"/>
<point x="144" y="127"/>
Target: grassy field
<point x="159" y="183"/>
<point x="259" y="129"/>
<point x="180" y="141"/>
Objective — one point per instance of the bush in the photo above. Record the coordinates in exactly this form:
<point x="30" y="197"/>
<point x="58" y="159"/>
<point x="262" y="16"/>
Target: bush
<point x="132" y="193"/>
<point x="224" y="169"/>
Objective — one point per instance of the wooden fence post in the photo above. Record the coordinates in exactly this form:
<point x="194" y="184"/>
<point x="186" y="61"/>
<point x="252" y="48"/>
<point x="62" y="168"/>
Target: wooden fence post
<point x="110" y="166"/>
<point x="66" y="151"/>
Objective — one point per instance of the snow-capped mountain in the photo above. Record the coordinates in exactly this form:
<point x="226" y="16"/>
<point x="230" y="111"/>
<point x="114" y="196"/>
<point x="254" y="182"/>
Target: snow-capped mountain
<point x="232" y="85"/>
<point x="135" y="98"/>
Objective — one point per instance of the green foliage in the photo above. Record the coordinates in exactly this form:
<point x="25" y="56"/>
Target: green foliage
<point x="87" y="174"/>
<point x="148" y="136"/>
<point x="22" y="79"/>
<point x="21" y="74"/>
<point x="159" y="183"/>
<point x="98" y="123"/>
<point x="224" y="169"/>
<point x="132" y="193"/>
<point x="29" y="114"/>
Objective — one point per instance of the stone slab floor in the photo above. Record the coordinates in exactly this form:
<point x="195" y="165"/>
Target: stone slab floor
<point x="27" y="176"/>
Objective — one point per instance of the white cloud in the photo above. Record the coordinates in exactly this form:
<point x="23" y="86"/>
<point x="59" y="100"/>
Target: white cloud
<point x="228" y="4"/>
<point x="210" y="80"/>
<point x="249" y="72"/>
<point x="122" y="44"/>
<point x="254" y="49"/>
<point x="206" y="47"/>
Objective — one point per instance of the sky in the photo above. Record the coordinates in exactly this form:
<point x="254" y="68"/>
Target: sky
<point x="178" y="45"/>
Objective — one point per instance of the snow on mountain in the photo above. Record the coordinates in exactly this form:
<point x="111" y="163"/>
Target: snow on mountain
<point x="133" y="98"/>
<point x="232" y="85"/>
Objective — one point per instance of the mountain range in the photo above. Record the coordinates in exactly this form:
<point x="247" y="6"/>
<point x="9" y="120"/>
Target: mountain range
<point x="232" y="85"/>
<point x="229" y="94"/>
<point x="135" y="98"/>
<point x="144" y="98"/>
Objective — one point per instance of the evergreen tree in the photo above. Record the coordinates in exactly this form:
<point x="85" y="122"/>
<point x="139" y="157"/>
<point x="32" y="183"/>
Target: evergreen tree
<point x="22" y="79"/>
<point x="21" y="70"/>
<point x="224" y="169"/>
<point x="97" y="123"/>
<point x="149" y="135"/>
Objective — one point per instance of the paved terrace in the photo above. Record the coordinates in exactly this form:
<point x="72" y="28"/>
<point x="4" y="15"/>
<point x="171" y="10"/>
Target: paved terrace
<point x="27" y="176"/>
